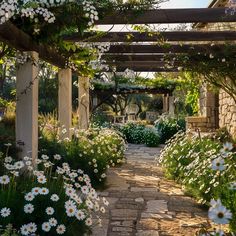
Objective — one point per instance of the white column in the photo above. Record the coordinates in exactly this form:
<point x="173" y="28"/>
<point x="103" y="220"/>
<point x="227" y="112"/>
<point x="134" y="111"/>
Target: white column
<point x="27" y="107"/>
<point x="65" y="101"/>
<point x="83" y="102"/>
<point x="171" y="105"/>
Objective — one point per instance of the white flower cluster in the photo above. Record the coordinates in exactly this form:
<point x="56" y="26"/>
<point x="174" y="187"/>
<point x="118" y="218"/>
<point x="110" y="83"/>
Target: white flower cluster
<point x="90" y="12"/>
<point x="211" y="162"/>
<point x="77" y="188"/>
<point x="10" y="8"/>
<point x="7" y="9"/>
<point x="32" y="13"/>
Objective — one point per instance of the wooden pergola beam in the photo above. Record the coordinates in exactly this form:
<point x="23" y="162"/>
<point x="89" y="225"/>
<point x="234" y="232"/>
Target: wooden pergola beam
<point x="19" y="40"/>
<point x="167" y="16"/>
<point x="173" y="48"/>
<point x="174" y="36"/>
<point x="132" y="91"/>
<point x="145" y="68"/>
<point x="141" y="63"/>
<point x="137" y="58"/>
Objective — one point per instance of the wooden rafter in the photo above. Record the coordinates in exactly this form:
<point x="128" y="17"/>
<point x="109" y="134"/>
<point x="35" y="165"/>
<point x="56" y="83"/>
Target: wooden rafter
<point x="132" y="91"/>
<point x="173" y="48"/>
<point x="195" y="15"/>
<point x="137" y="58"/>
<point x="144" y="68"/>
<point x="153" y="37"/>
<point x="19" y="40"/>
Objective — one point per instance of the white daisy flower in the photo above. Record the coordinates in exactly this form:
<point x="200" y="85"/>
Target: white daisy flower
<point x="4" y="179"/>
<point x="5" y="212"/>
<point x="54" y="197"/>
<point x="44" y="191"/>
<point x="35" y="191"/>
<point x="70" y="203"/>
<point x="8" y="159"/>
<point x="80" y="215"/>
<point x="26" y="158"/>
<point x="218" y="164"/>
<point x="41" y="179"/>
<point x="88" y="222"/>
<point x="61" y="229"/>
<point x="228" y="146"/>
<point x="24" y="230"/>
<point x="105" y="202"/>
<point x="32" y="227"/>
<point x="52" y="222"/>
<point x="57" y="157"/>
<point x="49" y="210"/>
<point x="89" y="204"/>
<point x="70" y="211"/>
<point x="28" y="163"/>
<point x="84" y="189"/>
<point x="28" y="208"/>
<point x="45" y="157"/>
<point x="219" y="214"/>
<point x="102" y="209"/>
<point x="46" y="227"/>
<point x="29" y="197"/>
<point x="19" y="164"/>
<point x="70" y="191"/>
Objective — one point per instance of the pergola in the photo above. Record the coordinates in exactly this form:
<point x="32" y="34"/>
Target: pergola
<point x="136" y="51"/>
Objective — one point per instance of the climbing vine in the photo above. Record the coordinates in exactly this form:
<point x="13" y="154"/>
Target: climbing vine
<point x="216" y="68"/>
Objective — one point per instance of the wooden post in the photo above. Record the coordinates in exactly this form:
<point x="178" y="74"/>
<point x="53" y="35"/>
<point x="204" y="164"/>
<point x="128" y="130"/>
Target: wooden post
<point x="171" y="105"/>
<point x="27" y="107"/>
<point x="165" y="103"/>
<point x="65" y="101"/>
<point x="83" y="103"/>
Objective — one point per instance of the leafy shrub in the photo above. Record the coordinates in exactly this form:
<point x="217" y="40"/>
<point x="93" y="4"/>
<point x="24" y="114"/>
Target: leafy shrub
<point x="168" y="126"/>
<point x="44" y="202"/>
<point x="140" y="133"/>
<point x="134" y="132"/>
<point x="100" y="119"/>
<point x="93" y="150"/>
<point x="152" y="137"/>
<point x="207" y="170"/>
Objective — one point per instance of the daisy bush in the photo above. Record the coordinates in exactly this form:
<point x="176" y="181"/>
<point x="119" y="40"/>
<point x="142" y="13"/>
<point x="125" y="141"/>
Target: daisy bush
<point x="40" y="201"/>
<point x="207" y="170"/>
<point x="93" y="150"/>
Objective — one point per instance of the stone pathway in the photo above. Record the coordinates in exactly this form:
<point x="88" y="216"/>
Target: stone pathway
<point x="144" y="203"/>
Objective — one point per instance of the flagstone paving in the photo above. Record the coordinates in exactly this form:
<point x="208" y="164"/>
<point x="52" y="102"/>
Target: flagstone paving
<point x="144" y="203"/>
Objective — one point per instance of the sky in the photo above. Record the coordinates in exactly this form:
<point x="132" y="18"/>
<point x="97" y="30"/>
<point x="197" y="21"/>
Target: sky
<point x="185" y="3"/>
<point x="167" y="4"/>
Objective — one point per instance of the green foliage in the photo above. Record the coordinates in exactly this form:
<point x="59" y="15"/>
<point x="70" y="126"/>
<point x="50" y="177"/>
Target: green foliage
<point x="139" y="133"/>
<point x="188" y="160"/>
<point x="152" y="137"/>
<point x="94" y="151"/>
<point x="134" y="132"/>
<point x="64" y="183"/>
<point x="216" y="68"/>
<point x="168" y="126"/>
<point x="100" y="119"/>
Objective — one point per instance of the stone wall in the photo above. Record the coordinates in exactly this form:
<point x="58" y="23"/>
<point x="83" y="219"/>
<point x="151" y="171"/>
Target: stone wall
<point x="227" y="112"/>
<point x="227" y="106"/>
